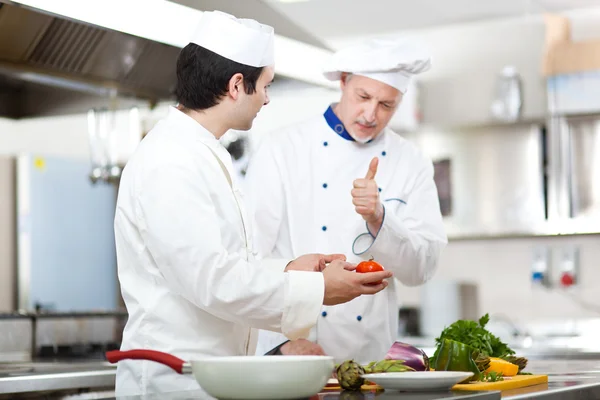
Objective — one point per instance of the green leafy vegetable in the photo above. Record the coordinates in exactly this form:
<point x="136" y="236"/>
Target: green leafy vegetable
<point x="492" y="377"/>
<point x="476" y="336"/>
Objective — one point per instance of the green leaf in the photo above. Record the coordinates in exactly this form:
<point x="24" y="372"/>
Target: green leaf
<point x="484" y="320"/>
<point x="492" y="376"/>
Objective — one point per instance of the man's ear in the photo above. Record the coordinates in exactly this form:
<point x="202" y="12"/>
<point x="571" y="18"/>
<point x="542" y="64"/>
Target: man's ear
<point x="236" y="85"/>
<point x="344" y="79"/>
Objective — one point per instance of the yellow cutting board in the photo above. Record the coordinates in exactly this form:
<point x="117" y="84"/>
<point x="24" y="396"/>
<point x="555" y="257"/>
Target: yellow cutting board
<point x="514" y="382"/>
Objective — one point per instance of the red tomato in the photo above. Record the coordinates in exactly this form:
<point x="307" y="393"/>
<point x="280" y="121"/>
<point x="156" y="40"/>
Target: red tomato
<point x="369" y="266"/>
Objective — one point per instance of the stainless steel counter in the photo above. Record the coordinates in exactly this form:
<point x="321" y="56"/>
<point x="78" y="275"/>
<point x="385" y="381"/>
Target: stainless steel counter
<point x="380" y="395"/>
<point x="567" y="389"/>
<point x="568" y="380"/>
<point x="18" y="378"/>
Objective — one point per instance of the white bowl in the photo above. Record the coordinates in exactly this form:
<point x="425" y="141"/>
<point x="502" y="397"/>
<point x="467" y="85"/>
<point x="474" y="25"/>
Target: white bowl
<point x="263" y="377"/>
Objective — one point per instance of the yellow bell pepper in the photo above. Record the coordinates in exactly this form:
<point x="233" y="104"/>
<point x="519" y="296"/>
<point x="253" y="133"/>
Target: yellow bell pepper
<point x="503" y="366"/>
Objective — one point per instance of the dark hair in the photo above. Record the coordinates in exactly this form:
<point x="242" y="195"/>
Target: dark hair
<point x="203" y="76"/>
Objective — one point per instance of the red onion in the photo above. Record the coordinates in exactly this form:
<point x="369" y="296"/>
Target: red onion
<point x="412" y="356"/>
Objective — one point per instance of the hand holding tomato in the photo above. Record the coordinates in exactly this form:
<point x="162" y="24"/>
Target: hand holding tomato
<point x="369" y="266"/>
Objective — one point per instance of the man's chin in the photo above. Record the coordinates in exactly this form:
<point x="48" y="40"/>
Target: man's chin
<point x="245" y="127"/>
<point x="361" y="138"/>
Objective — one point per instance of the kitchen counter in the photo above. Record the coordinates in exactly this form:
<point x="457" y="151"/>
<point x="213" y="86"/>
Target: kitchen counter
<point x="567" y="380"/>
<point x="371" y="395"/>
<point x="30" y="377"/>
<point x="566" y="389"/>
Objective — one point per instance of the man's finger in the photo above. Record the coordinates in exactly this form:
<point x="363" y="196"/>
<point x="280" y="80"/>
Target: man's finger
<point x="331" y="257"/>
<point x="322" y="265"/>
<point x="359" y="192"/>
<point x="372" y="277"/>
<point x="372" y="169"/>
<point x="349" y="267"/>
<point x="372" y="289"/>
<point x="362" y="201"/>
<point x="360" y="183"/>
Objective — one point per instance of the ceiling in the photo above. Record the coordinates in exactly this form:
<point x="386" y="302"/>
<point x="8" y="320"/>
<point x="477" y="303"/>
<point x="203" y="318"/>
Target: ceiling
<point x="330" y="20"/>
<point x="261" y="11"/>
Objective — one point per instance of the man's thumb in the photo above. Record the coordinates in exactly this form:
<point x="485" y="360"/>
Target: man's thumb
<point x="372" y="168"/>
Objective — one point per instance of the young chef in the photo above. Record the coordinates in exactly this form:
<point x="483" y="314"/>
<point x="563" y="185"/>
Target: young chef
<point x="188" y="273"/>
<point x="344" y="182"/>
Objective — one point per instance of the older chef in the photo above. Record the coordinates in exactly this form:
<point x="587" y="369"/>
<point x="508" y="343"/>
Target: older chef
<point x="188" y="274"/>
<point x="344" y="182"/>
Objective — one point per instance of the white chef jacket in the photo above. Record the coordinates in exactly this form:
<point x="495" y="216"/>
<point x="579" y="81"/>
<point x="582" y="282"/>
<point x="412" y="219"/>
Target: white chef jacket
<point x="188" y="274"/>
<point x="298" y="185"/>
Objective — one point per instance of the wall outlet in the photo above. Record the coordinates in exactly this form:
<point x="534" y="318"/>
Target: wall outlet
<point x="568" y="268"/>
<point x="541" y="267"/>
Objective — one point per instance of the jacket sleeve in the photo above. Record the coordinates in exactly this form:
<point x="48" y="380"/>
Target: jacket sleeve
<point x="264" y="191"/>
<point x="412" y="234"/>
<point x="181" y="226"/>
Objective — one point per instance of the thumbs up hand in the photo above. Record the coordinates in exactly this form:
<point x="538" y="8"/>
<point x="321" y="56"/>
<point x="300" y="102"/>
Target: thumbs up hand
<point x="365" y="197"/>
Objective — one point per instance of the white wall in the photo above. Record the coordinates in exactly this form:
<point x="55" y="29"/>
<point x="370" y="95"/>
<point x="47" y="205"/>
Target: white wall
<point x="291" y="103"/>
<point x="60" y="136"/>
<point x="8" y="133"/>
<point x="501" y="271"/>
<point x="65" y="135"/>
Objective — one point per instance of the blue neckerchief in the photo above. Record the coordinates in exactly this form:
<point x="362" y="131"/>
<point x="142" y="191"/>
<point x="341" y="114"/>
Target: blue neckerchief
<point x="338" y="127"/>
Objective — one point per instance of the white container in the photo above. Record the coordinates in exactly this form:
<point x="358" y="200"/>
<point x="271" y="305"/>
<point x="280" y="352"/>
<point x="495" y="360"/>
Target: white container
<point x="443" y="302"/>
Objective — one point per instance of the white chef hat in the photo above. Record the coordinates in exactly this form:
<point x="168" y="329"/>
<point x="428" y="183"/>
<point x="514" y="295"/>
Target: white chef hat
<point x="391" y="61"/>
<point x="245" y="41"/>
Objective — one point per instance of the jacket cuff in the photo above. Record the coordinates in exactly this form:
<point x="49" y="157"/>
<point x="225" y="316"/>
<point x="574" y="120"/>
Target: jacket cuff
<point x="304" y="300"/>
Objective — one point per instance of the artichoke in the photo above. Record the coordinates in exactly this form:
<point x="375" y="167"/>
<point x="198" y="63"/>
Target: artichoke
<point x="375" y="367"/>
<point x="482" y="361"/>
<point x="349" y="375"/>
<point x="520" y="361"/>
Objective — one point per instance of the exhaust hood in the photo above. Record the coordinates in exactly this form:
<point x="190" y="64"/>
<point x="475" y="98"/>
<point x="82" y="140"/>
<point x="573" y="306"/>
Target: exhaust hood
<point x="47" y="62"/>
<point x="50" y="64"/>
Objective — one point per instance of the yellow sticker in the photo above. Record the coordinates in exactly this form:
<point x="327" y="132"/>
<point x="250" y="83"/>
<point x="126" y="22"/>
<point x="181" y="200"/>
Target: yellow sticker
<point x="39" y="163"/>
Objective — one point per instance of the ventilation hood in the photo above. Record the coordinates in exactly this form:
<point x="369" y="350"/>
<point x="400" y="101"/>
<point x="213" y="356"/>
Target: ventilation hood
<point x="49" y="64"/>
<point x="52" y="65"/>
